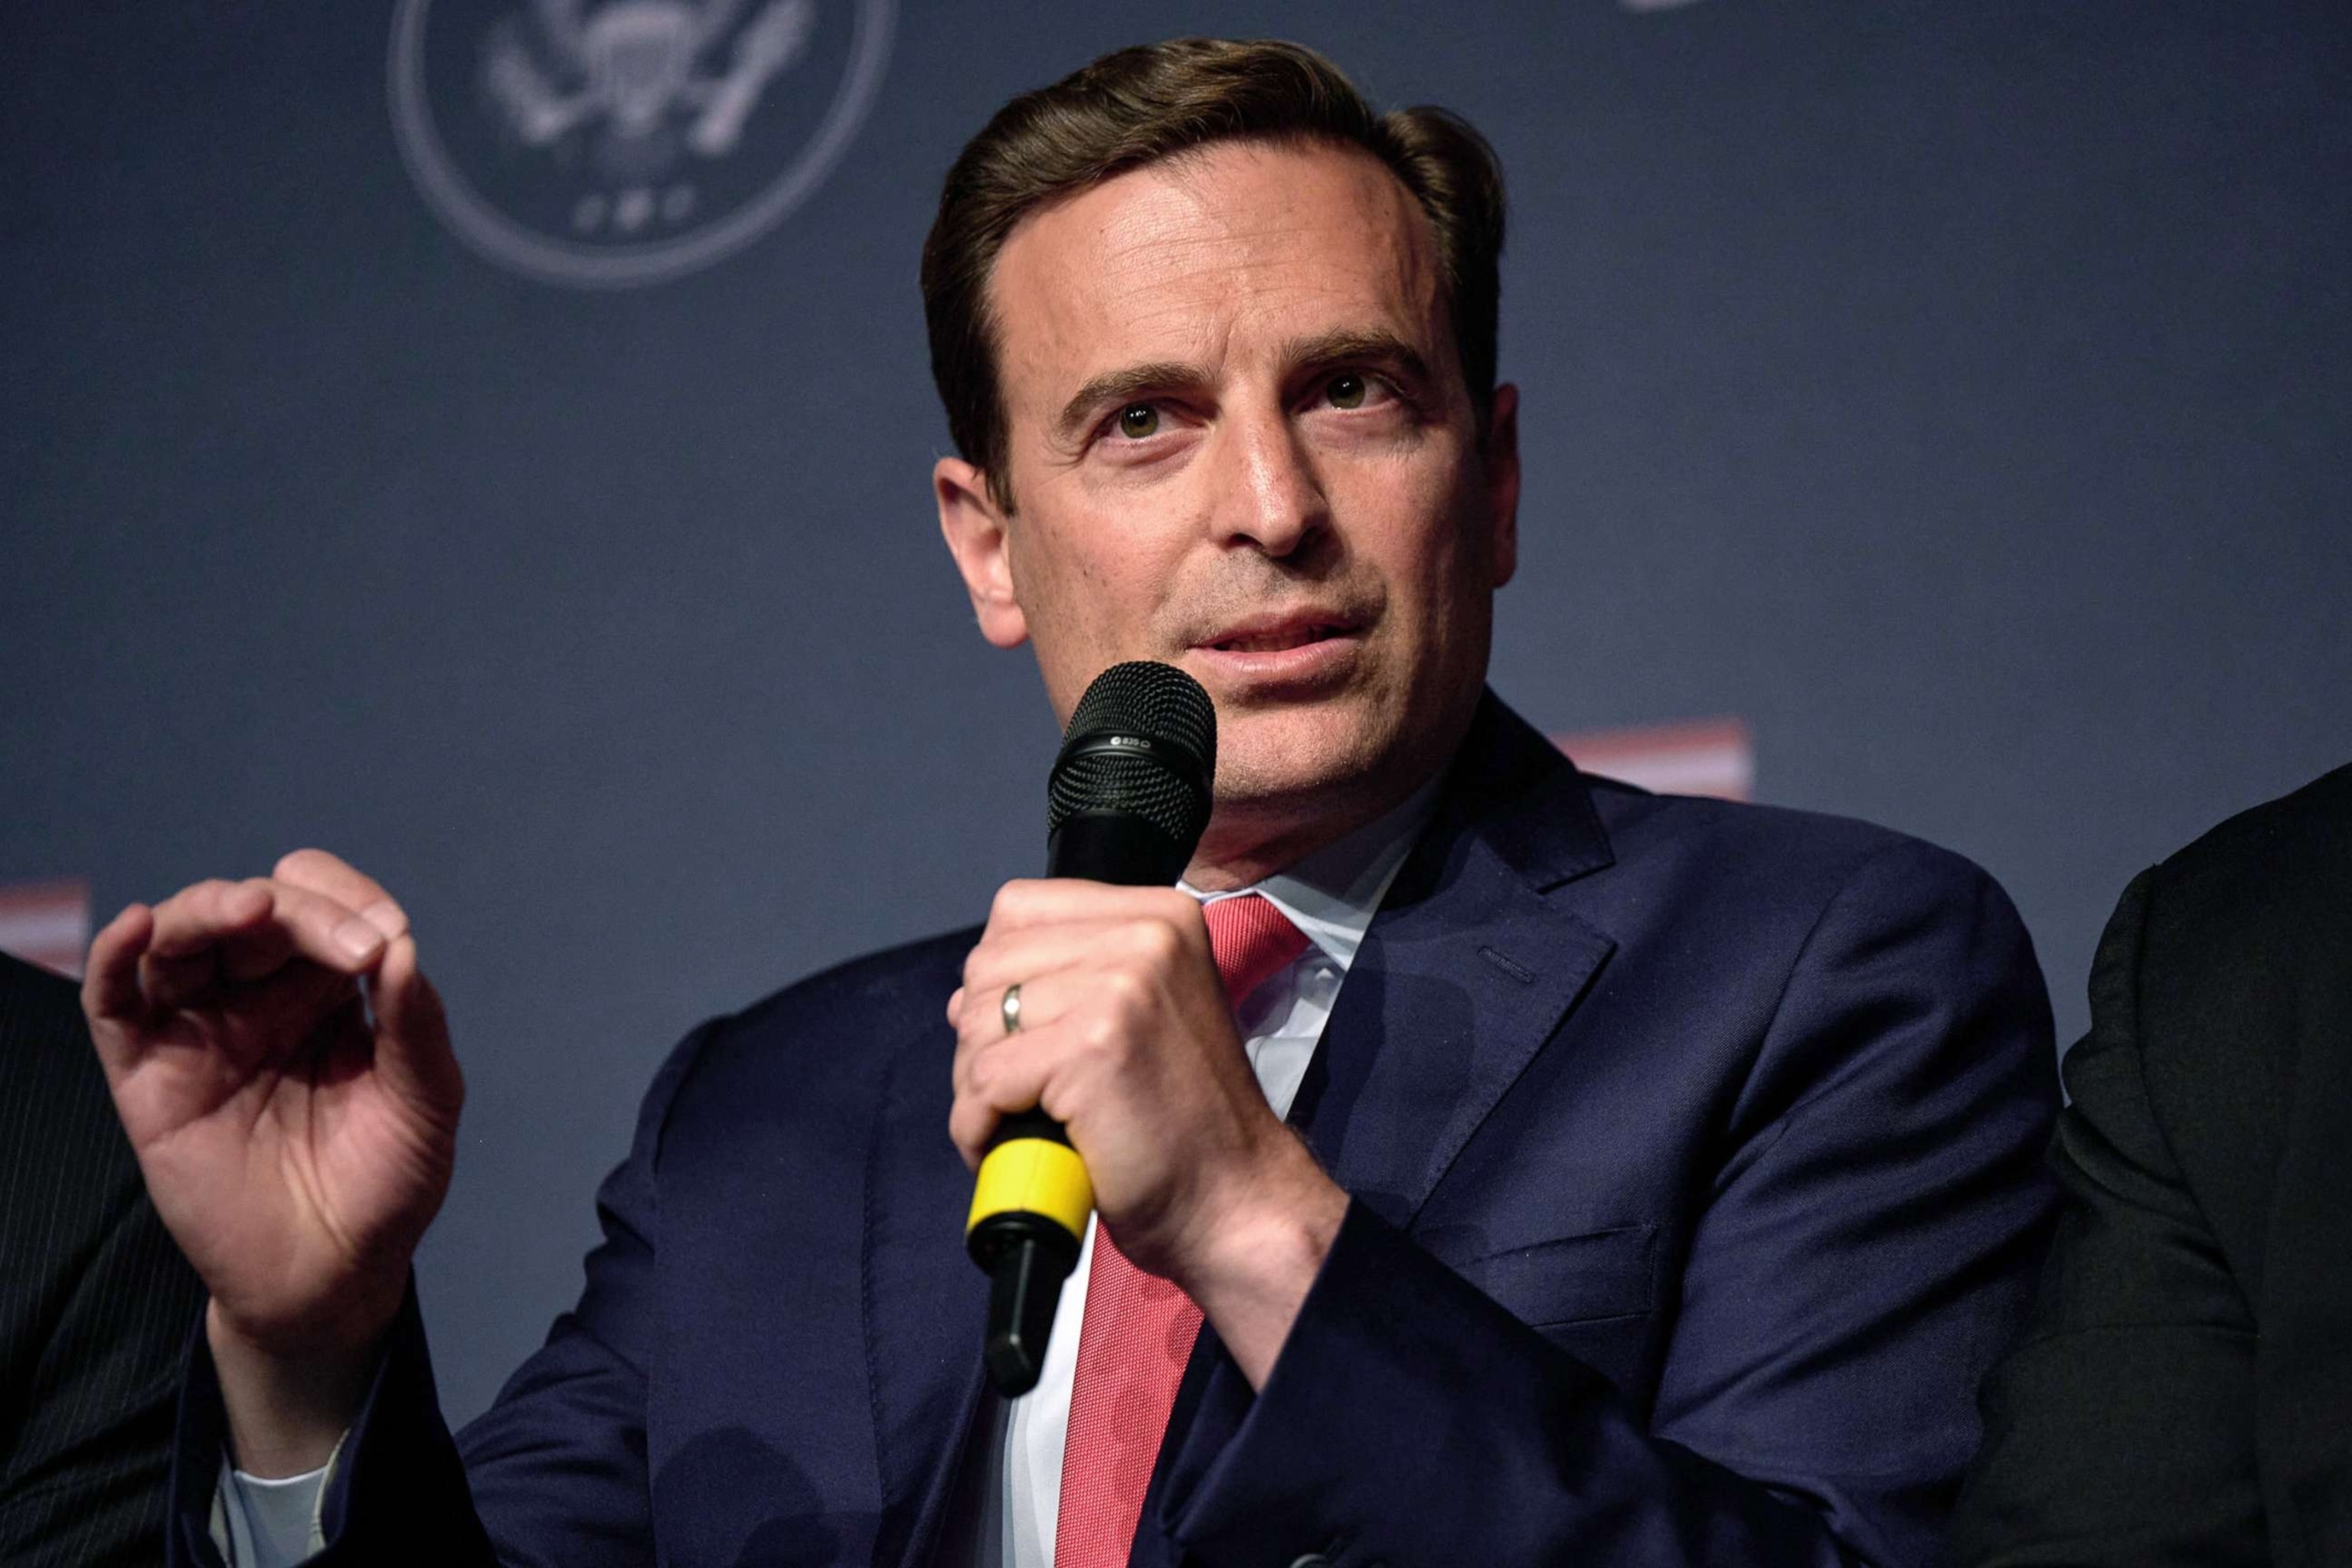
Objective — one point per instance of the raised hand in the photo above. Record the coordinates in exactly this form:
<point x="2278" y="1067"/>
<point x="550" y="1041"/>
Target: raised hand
<point x="283" y="1069"/>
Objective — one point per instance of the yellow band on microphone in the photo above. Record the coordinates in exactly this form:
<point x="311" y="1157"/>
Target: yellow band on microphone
<point x="1034" y="1174"/>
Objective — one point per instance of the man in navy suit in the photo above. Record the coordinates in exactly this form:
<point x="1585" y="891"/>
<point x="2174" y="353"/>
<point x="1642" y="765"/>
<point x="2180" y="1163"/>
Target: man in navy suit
<point x="1585" y="1175"/>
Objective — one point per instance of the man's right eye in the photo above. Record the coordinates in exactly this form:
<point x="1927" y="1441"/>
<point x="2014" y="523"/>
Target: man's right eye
<point x="1138" y="420"/>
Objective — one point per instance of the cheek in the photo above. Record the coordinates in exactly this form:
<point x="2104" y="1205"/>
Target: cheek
<point x="1435" y="551"/>
<point x="1440" y="599"/>
<point x="1090" y="595"/>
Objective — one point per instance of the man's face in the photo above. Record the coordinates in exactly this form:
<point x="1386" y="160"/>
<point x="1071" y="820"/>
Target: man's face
<point x="1240" y="443"/>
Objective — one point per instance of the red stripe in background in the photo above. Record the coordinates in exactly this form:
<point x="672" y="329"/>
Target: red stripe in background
<point x="46" y="924"/>
<point x="1691" y="756"/>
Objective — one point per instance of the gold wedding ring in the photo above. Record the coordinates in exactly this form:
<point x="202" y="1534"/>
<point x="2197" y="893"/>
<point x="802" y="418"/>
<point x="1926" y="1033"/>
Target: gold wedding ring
<point x="1010" y="1008"/>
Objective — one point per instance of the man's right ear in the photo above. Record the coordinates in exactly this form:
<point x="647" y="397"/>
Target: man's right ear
<point x="975" y="533"/>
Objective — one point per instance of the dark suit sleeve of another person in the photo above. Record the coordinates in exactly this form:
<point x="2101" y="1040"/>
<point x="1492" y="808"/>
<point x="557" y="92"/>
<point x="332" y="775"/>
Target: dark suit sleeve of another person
<point x="559" y="1462"/>
<point x="1876" y="1211"/>
<point x="96" y="1303"/>
<point x="2122" y="1428"/>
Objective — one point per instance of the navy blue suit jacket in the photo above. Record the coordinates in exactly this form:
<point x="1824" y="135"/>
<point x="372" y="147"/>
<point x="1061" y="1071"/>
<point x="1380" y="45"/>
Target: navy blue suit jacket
<point x="1695" y="1156"/>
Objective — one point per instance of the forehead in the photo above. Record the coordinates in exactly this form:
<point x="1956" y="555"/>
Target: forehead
<point x="1211" y="257"/>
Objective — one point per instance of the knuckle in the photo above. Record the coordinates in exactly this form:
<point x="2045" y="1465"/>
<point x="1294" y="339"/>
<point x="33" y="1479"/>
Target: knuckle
<point x="1101" y="1035"/>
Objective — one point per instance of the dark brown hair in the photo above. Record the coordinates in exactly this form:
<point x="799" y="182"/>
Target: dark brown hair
<point x="1140" y="105"/>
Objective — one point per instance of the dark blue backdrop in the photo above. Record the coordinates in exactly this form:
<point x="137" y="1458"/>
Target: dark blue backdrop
<point x="1958" y="393"/>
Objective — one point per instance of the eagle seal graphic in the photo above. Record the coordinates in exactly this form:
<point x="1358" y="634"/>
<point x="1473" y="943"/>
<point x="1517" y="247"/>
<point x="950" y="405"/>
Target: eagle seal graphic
<point x="627" y="141"/>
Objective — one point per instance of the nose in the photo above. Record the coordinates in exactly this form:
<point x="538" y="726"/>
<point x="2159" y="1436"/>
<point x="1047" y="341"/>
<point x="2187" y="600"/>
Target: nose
<point x="1274" y="500"/>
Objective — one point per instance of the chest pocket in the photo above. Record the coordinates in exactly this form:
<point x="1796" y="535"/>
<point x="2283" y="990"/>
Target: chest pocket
<point x="1593" y="1295"/>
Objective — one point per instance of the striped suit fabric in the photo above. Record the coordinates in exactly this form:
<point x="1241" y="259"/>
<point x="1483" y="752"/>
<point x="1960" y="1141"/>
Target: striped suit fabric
<point x="97" y="1305"/>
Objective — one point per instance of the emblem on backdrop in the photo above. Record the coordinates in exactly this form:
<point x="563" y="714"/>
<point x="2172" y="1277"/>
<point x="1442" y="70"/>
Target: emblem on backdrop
<point x="608" y="144"/>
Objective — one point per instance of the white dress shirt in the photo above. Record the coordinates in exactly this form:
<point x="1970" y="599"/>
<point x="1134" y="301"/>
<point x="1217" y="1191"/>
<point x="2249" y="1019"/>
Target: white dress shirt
<point x="1331" y="897"/>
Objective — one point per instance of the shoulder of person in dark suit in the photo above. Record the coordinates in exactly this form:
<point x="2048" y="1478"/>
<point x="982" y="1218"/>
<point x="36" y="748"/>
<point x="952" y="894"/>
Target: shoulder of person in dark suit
<point x="2175" y="1398"/>
<point x="96" y="1303"/>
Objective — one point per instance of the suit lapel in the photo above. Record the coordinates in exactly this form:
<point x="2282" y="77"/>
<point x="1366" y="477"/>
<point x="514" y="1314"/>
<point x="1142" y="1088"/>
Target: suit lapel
<point x="1465" y="972"/>
<point x="925" y="1304"/>
<point x="1435" y="1024"/>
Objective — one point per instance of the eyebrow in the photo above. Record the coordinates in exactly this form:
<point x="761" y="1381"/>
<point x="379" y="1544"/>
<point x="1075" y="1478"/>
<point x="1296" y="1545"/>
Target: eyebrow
<point x="1138" y="381"/>
<point x="1123" y="385"/>
<point x="1346" y="345"/>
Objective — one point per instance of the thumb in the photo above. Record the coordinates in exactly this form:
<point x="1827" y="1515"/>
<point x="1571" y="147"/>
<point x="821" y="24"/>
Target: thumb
<point x="411" y="1035"/>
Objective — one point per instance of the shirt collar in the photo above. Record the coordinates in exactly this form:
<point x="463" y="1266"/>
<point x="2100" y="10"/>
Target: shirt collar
<point x="1332" y="894"/>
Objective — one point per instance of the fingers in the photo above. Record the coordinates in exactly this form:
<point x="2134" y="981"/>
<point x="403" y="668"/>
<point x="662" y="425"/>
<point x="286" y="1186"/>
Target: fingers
<point x="332" y="932"/>
<point x="195" y="918"/>
<point x="1043" y="901"/>
<point x="1043" y="1000"/>
<point x="997" y="1071"/>
<point x="1036" y="927"/>
<point x="316" y="872"/>
<point x="412" y="1033"/>
<point x="111" y="995"/>
<point x="1060" y="1045"/>
<point x="993" y="1083"/>
<point x="318" y="910"/>
<point x="240" y="933"/>
<point x="1025" y="954"/>
<point x="1047" y="1000"/>
<point x="1122" y="950"/>
<point x="182" y="962"/>
<point x="276" y="1017"/>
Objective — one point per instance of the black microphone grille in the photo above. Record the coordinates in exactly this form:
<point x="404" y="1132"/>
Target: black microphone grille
<point x="1156" y="701"/>
<point x="1143" y="740"/>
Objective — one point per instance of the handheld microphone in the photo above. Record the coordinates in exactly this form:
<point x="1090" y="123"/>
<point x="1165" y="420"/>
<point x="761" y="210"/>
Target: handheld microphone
<point x="1126" y="803"/>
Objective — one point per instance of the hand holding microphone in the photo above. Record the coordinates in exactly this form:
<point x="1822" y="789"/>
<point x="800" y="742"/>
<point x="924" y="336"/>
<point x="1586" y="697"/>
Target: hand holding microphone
<point x="1122" y="1083"/>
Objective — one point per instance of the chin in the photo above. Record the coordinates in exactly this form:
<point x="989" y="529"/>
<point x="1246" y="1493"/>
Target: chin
<point x="1297" y="757"/>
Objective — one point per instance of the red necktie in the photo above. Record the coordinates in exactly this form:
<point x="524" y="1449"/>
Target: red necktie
<point x="1139" y="1328"/>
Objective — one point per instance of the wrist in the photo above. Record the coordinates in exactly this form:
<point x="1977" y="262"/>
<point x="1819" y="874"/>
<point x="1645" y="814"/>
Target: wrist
<point x="1252" y="1271"/>
<point x="289" y="1397"/>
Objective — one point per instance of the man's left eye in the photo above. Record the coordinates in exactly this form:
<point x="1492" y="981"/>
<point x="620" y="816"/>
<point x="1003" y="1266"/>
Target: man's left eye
<point x="1346" y="391"/>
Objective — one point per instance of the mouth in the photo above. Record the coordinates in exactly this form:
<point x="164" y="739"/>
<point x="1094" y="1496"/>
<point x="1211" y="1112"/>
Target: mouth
<point x="1294" y="656"/>
<point x="1278" y="634"/>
